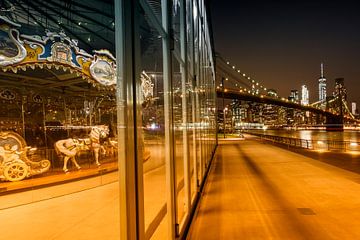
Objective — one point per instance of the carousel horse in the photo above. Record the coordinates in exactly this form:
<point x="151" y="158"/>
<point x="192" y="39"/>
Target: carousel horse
<point x="96" y="134"/>
<point x="70" y="147"/>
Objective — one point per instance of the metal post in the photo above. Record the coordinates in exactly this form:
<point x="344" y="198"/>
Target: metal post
<point x="129" y="159"/>
<point x="23" y="100"/>
<point x="223" y="103"/>
<point x="193" y="94"/>
<point x="197" y="91"/>
<point x="184" y="77"/>
<point x="44" y="123"/>
<point x="169" y="141"/>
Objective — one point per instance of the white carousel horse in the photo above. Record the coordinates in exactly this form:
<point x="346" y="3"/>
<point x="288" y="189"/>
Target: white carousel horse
<point x="98" y="132"/>
<point x="70" y="147"/>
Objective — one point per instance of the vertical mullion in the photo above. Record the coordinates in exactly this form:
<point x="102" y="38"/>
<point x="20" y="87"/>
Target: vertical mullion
<point x="129" y="163"/>
<point x="169" y="140"/>
<point x="138" y="132"/>
<point x="123" y="42"/>
<point x="198" y="91"/>
<point x="184" y="77"/>
<point x="193" y="92"/>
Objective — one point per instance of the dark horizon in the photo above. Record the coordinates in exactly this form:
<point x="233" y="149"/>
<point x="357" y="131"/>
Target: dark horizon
<point x="282" y="44"/>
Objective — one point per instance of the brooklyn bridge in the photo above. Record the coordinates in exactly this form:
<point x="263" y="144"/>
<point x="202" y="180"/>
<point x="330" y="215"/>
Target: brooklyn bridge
<point x="244" y="101"/>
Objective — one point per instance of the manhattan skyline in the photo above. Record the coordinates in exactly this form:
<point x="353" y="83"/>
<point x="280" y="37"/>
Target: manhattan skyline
<point x="282" y="44"/>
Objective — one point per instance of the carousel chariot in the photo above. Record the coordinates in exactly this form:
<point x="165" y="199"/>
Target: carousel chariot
<point x="15" y="165"/>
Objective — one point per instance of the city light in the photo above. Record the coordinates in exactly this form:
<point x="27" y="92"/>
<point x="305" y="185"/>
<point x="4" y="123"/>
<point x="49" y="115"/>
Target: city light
<point x="353" y="144"/>
<point x="244" y="75"/>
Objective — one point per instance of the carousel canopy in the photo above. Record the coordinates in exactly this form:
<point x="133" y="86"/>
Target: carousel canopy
<point x="90" y="22"/>
<point x="65" y="45"/>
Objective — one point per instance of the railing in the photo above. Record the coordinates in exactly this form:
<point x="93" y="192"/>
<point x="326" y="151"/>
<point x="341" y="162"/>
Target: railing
<point x="325" y="145"/>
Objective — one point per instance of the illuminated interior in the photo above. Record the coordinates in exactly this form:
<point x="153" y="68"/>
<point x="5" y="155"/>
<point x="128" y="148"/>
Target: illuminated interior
<point x="108" y="94"/>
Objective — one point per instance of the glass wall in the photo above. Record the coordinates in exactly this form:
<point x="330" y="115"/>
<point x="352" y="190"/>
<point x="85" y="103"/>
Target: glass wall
<point x="172" y="73"/>
<point x="58" y="121"/>
<point x="107" y="122"/>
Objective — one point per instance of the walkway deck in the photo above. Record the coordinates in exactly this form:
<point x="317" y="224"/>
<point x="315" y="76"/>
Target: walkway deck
<point x="260" y="191"/>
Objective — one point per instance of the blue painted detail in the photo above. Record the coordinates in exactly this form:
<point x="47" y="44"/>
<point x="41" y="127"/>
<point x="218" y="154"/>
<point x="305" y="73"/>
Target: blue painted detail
<point x="47" y="52"/>
<point x="74" y="60"/>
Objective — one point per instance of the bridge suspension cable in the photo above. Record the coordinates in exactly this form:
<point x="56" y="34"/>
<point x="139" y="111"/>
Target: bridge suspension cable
<point x="237" y="77"/>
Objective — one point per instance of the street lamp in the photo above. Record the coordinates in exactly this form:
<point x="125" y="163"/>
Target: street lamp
<point x="223" y="103"/>
<point x="224" y="121"/>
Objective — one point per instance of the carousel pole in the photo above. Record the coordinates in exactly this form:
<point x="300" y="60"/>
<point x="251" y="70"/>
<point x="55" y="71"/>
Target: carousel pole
<point x="66" y="120"/>
<point x="23" y="114"/>
<point x="75" y="112"/>
<point x="112" y="121"/>
<point x="44" y="124"/>
<point x="99" y="115"/>
<point x="90" y="112"/>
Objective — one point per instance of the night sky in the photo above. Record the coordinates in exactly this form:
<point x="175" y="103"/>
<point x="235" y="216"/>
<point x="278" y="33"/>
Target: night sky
<point x="281" y="44"/>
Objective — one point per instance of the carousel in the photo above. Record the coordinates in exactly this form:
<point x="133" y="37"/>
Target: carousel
<point x="58" y="108"/>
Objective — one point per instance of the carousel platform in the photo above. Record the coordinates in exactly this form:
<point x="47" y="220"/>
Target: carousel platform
<point x="56" y="177"/>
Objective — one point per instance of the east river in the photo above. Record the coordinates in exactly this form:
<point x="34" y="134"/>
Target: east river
<point x="347" y="135"/>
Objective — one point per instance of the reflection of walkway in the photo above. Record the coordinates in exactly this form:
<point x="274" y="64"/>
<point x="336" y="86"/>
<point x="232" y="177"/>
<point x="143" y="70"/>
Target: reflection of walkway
<point x="90" y="212"/>
<point x="84" y="215"/>
<point x="259" y="191"/>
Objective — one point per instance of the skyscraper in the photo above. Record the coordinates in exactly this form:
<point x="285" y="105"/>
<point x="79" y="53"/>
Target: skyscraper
<point x="353" y="108"/>
<point x="340" y="88"/>
<point x="322" y="84"/>
<point x="304" y="95"/>
<point x="294" y="95"/>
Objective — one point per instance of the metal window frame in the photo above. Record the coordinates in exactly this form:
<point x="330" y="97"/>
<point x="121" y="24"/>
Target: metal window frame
<point x="130" y="164"/>
<point x="127" y="40"/>
<point x="168" y="115"/>
<point x="186" y="154"/>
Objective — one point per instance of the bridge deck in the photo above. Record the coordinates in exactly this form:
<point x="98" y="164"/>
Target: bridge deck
<point x="260" y="191"/>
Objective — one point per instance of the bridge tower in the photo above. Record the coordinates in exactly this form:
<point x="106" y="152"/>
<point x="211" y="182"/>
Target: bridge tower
<point x="336" y="123"/>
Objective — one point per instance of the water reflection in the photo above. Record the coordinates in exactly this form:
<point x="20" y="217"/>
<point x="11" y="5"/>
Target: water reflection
<point x="321" y="135"/>
<point x="306" y="134"/>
